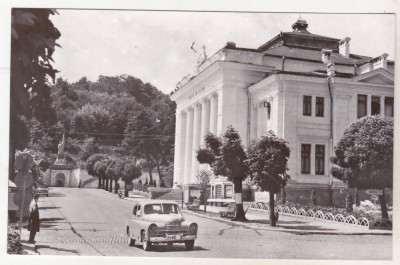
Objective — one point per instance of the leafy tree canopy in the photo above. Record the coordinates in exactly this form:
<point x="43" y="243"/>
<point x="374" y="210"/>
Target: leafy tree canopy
<point x="267" y="159"/>
<point x="363" y="158"/>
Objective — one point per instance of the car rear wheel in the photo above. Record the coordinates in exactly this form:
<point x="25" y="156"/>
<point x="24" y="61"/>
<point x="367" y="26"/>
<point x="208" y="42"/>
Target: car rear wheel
<point x="146" y="244"/>
<point x="189" y="244"/>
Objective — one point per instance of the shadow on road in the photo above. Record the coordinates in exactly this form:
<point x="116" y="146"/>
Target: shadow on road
<point x="38" y="247"/>
<point x="49" y="207"/>
<point x="175" y="248"/>
<point x="52" y="194"/>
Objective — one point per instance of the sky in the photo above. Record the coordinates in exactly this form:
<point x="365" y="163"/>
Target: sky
<point x="155" y="45"/>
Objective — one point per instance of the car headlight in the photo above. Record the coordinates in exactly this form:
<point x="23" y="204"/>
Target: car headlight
<point x="193" y="227"/>
<point x="152" y="227"/>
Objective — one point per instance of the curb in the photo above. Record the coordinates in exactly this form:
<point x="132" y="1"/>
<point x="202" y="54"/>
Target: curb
<point x="279" y="229"/>
<point x="29" y="249"/>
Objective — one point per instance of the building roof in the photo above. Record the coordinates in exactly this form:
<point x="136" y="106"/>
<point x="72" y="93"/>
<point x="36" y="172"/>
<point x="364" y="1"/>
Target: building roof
<point x="315" y="55"/>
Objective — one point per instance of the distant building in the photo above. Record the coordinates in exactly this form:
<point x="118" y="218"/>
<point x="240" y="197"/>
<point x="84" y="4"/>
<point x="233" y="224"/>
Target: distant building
<point x="305" y="87"/>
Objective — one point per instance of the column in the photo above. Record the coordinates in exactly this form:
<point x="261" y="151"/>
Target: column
<point x="188" y="145"/>
<point x="368" y="105"/>
<point x="196" y="141"/>
<point x="205" y="119"/>
<point x="213" y="113"/>
<point x="177" y="146"/>
<point x="382" y="105"/>
<point x="182" y="146"/>
<point x="220" y="110"/>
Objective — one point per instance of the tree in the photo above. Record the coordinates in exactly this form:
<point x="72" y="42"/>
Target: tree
<point x="33" y="41"/>
<point x="100" y="168"/>
<point x="227" y="157"/>
<point x="267" y="160"/>
<point x="114" y="172"/>
<point x="129" y="173"/>
<point x="363" y="157"/>
<point x="203" y="179"/>
<point x="91" y="161"/>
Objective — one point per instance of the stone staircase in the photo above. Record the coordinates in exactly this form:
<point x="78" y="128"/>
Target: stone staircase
<point x="88" y="183"/>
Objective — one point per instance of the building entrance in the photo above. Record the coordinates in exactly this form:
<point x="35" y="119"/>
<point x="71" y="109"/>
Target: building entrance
<point x="60" y="180"/>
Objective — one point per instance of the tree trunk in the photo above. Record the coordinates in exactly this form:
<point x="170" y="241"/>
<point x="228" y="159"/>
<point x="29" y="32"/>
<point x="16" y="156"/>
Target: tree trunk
<point x="99" y="185"/>
<point x="111" y="183"/>
<point x="330" y="196"/>
<point x="357" y="198"/>
<point x="151" y="177"/>
<point x="116" y="186"/>
<point x="106" y="187"/>
<point x="160" y="177"/>
<point x="240" y="214"/>
<point x="205" y="199"/>
<point x="11" y="162"/>
<point x="126" y="190"/>
<point x="382" y="201"/>
<point x="272" y="220"/>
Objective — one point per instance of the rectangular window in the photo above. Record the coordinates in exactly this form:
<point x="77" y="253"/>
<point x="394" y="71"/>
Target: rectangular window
<point x="375" y="105"/>
<point x="305" y="158"/>
<point x="267" y="105"/>
<point x="307" y="105"/>
<point x="319" y="107"/>
<point x="362" y="106"/>
<point x="389" y="106"/>
<point x="319" y="159"/>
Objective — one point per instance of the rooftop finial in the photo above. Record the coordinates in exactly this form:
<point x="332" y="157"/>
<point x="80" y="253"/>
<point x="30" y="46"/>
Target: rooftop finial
<point x="300" y="25"/>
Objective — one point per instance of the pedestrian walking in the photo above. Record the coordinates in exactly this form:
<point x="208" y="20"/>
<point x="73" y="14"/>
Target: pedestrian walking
<point x="33" y="220"/>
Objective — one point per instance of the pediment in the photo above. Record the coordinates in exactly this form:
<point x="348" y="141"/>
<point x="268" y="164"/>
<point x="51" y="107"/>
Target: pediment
<point x="378" y="76"/>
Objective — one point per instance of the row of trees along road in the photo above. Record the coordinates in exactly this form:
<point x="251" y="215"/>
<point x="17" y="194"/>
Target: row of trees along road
<point x="265" y="162"/>
<point x="363" y="159"/>
<point x="108" y="169"/>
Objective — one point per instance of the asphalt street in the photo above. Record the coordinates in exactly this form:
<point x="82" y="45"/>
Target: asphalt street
<point x="91" y="222"/>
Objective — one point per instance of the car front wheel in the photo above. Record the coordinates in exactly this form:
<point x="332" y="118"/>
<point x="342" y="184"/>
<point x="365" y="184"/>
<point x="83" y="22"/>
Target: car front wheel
<point x="146" y="244"/>
<point x="130" y="240"/>
<point x="189" y="244"/>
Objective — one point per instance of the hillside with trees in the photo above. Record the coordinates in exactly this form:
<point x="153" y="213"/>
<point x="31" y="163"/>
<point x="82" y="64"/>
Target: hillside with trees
<point x="119" y="116"/>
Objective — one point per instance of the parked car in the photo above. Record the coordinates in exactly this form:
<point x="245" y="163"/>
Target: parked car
<point x="42" y="191"/>
<point x="159" y="221"/>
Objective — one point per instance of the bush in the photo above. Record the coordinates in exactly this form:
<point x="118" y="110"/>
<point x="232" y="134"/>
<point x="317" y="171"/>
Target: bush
<point x="14" y="245"/>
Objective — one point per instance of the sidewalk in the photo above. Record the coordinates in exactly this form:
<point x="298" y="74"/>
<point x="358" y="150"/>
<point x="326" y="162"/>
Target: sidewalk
<point x="289" y="224"/>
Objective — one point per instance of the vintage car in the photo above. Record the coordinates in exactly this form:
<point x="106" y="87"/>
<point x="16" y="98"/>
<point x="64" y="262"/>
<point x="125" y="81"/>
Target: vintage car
<point x="42" y="191"/>
<point x="159" y="221"/>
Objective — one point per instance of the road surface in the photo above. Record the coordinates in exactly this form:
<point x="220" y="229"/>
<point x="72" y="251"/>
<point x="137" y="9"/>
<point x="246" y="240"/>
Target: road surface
<point x="91" y="222"/>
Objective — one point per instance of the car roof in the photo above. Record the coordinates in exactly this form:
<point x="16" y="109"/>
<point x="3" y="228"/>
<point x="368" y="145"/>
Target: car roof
<point x="155" y="202"/>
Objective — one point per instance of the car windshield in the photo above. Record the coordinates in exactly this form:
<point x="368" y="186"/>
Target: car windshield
<point x="163" y="208"/>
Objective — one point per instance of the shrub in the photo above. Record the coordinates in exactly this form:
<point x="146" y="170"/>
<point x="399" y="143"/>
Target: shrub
<point x="14" y="245"/>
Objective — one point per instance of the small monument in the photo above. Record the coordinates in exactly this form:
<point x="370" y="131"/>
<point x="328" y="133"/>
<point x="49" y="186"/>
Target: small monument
<point x="61" y="173"/>
<point x="60" y="155"/>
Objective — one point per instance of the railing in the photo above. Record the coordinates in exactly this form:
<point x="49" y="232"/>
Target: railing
<point x="140" y="187"/>
<point x="319" y="215"/>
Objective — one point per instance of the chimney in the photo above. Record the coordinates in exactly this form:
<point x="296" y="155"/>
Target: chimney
<point x="330" y="69"/>
<point x="344" y="47"/>
<point x="326" y="56"/>
<point x="381" y="61"/>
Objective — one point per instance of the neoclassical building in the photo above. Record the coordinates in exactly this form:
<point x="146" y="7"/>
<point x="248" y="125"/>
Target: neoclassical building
<point x="305" y="87"/>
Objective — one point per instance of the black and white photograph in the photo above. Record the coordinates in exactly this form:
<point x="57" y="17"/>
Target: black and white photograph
<point x="243" y="135"/>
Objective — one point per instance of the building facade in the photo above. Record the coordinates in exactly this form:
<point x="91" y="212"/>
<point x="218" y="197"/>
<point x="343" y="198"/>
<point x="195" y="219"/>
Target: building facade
<point x="304" y="87"/>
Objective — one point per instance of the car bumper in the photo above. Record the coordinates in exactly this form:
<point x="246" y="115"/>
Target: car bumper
<point x="172" y="239"/>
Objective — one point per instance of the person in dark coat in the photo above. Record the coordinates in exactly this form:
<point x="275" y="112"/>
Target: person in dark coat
<point x="33" y="220"/>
